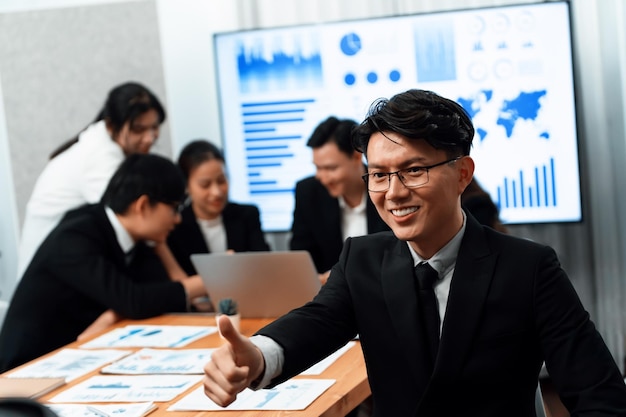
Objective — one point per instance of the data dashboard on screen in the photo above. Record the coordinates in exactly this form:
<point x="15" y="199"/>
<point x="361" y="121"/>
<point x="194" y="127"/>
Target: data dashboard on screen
<point x="510" y="67"/>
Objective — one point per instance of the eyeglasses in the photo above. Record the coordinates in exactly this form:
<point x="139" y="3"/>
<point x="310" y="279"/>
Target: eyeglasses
<point x="177" y="207"/>
<point x="412" y="177"/>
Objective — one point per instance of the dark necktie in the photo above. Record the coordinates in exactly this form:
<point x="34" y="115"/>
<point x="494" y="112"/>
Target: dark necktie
<point x="426" y="276"/>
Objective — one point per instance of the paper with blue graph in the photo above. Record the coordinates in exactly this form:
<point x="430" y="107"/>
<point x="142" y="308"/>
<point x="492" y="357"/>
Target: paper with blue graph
<point x="117" y="410"/>
<point x="321" y="366"/>
<point x="293" y="394"/>
<point x="69" y="363"/>
<point x="161" y="361"/>
<point x="150" y="336"/>
<point x="127" y="388"/>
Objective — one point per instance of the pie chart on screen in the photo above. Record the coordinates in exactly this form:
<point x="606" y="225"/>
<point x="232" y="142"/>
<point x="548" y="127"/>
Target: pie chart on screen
<point x="350" y="44"/>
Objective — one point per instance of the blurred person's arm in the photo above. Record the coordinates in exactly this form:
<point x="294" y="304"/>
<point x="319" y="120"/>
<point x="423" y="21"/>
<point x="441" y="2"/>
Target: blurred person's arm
<point x="106" y="319"/>
<point x="173" y="268"/>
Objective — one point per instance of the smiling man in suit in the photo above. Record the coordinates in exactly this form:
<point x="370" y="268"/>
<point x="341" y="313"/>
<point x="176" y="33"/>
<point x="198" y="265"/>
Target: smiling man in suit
<point x="501" y="305"/>
<point x="332" y="205"/>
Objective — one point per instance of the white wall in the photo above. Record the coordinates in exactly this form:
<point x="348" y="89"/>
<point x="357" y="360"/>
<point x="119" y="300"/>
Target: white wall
<point x="8" y="218"/>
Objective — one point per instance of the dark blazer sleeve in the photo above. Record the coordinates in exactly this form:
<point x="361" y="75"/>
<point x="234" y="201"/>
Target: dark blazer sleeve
<point x="243" y="228"/>
<point x="577" y="359"/>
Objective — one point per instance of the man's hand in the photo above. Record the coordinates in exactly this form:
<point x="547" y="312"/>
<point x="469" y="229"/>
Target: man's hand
<point x="233" y="366"/>
<point x="105" y="320"/>
<point x="324" y="277"/>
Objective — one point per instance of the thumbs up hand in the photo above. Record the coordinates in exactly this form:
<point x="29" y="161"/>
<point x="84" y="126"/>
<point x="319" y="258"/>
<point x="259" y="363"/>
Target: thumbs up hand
<point x="233" y="366"/>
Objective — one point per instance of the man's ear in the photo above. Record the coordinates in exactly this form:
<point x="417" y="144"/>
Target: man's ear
<point x="140" y="206"/>
<point x="466" y="172"/>
<point x="357" y="158"/>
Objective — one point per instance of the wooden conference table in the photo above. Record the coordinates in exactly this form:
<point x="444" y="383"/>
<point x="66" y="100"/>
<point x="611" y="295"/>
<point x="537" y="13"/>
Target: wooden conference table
<point x="349" y="390"/>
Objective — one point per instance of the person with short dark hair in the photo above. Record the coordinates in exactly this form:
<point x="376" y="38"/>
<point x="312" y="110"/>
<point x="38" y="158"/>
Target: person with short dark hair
<point x="97" y="260"/>
<point x="332" y="205"/>
<point x="454" y="318"/>
<point x="210" y="221"/>
<point x="79" y="170"/>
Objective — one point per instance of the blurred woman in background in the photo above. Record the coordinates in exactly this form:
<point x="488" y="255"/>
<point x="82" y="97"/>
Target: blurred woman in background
<point x="80" y="169"/>
<point x="210" y="222"/>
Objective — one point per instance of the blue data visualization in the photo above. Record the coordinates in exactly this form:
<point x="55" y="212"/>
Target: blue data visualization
<point x="509" y="67"/>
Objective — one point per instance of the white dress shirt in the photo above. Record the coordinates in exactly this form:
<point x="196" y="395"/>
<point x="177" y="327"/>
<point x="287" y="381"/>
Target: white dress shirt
<point x="353" y="219"/>
<point x="75" y="177"/>
<point x="214" y="234"/>
<point x="124" y="239"/>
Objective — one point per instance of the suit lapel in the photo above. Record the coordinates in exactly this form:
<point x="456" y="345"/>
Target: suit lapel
<point x="328" y="223"/>
<point x="332" y="224"/>
<point x="469" y="288"/>
<point x="233" y="229"/>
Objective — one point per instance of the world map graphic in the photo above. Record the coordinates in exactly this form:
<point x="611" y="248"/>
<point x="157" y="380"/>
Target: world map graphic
<point x="524" y="106"/>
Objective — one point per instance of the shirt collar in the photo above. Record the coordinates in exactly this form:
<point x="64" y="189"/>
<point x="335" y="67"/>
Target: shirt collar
<point x="358" y="209"/>
<point x="210" y="223"/>
<point x="445" y="259"/>
<point x="124" y="239"/>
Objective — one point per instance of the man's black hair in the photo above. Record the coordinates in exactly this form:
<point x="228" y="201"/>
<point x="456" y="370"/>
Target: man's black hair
<point x="144" y="174"/>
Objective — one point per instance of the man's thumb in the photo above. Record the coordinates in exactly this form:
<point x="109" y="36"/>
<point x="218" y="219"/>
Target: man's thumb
<point x="229" y="332"/>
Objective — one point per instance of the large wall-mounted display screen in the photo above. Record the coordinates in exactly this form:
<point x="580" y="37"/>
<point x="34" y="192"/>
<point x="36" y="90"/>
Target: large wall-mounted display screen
<point x="510" y="67"/>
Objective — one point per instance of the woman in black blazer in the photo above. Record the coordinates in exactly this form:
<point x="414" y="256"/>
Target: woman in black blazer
<point x="210" y="223"/>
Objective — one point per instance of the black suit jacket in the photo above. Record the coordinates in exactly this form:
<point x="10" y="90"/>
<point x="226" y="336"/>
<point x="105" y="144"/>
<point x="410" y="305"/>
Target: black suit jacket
<point x="510" y="307"/>
<point x="316" y="224"/>
<point x="78" y="272"/>
<point x="243" y="234"/>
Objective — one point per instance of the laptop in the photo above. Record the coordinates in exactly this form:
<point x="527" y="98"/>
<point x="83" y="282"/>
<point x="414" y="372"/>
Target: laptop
<point x="264" y="284"/>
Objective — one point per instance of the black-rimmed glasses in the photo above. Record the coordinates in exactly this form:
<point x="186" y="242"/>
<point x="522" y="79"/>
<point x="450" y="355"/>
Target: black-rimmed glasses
<point x="412" y="177"/>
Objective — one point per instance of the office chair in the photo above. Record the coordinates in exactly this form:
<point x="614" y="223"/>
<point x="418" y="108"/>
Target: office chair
<point x="24" y="407"/>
